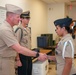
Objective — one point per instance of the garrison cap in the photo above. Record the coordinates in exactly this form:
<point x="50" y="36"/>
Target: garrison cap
<point x="25" y="14"/>
<point x="13" y="9"/>
<point x="63" y="22"/>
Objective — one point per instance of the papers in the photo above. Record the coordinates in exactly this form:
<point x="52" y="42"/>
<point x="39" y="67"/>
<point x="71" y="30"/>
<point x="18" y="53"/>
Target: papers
<point x="2" y="14"/>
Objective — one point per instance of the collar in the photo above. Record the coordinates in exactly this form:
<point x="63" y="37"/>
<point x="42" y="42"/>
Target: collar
<point x="20" y="25"/>
<point x="7" y="24"/>
<point x="66" y="36"/>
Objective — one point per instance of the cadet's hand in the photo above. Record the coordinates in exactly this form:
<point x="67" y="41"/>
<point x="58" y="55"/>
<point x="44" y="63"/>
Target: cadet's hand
<point x="42" y="57"/>
<point x="51" y="57"/>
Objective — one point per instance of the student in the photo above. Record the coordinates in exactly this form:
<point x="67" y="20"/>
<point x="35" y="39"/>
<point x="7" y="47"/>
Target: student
<point x="65" y="48"/>
<point x="23" y="34"/>
<point x="9" y="46"/>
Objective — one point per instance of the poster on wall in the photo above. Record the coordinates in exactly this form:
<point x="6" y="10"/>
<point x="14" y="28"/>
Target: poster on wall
<point x="2" y="14"/>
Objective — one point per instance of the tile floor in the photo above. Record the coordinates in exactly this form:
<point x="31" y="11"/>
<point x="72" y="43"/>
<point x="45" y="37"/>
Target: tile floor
<point x="52" y="68"/>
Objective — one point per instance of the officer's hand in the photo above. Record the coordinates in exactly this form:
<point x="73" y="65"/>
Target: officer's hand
<point x="42" y="57"/>
<point x="18" y="63"/>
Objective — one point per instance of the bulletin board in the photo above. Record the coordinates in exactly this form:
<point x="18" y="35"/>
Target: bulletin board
<point x="2" y="14"/>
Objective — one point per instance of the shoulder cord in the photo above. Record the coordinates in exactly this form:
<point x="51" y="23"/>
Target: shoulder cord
<point x="21" y="32"/>
<point x="26" y="30"/>
<point x="65" y="47"/>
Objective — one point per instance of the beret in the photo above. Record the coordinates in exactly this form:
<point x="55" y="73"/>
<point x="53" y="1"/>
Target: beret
<point x="25" y="14"/>
<point x="63" y="22"/>
<point x="13" y="9"/>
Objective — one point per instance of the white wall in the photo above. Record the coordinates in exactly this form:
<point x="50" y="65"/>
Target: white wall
<point x="66" y="10"/>
<point x="72" y="12"/>
<point x="38" y="21"/>
<point x="55" y="11"/>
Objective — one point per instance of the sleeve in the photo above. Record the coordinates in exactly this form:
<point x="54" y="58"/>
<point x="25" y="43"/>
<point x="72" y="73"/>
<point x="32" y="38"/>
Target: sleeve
<point x="69" y="49"/>
<point x="8" y="37"/>
<point x="18" y="35"/>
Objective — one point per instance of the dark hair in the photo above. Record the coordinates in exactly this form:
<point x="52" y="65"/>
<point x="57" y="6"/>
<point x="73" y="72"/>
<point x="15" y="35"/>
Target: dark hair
<point x="26" y="17"/>
<point x="67" y="28"/>
<point x="73" y="31"/>
<point x="74" y="27"/>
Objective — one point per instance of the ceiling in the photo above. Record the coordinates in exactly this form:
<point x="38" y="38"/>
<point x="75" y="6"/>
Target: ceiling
<point x="69" y="2"/>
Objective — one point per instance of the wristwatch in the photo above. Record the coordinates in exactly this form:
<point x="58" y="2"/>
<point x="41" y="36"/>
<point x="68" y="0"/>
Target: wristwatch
<point x="37" y="54"/>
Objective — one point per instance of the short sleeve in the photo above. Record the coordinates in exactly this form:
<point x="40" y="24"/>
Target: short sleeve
<point x="68" y="50"/>
<point x="8" y="37"/>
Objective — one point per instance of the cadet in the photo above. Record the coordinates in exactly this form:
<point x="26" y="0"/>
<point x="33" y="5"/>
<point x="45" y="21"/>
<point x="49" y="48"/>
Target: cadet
<point x="65" y="48"/>
<point x="9" y="46"/>
<point x="23" y="33"/>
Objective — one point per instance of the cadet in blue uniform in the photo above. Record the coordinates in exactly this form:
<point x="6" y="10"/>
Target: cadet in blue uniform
<point x="23" y="33"/>
<point x="65" y="48"/>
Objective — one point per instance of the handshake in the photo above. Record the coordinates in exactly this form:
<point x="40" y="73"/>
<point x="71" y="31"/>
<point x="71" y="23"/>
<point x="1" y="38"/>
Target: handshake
<point x="42" y="56"/>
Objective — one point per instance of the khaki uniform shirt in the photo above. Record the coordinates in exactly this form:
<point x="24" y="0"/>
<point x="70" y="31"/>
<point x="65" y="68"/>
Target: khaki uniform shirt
<point x="7" y="39"/>
<point x="26" y="38"/>
<point x="62" y="52"/>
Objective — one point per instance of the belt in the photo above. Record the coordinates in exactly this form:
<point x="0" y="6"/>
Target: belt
<point x="13" y="58"/>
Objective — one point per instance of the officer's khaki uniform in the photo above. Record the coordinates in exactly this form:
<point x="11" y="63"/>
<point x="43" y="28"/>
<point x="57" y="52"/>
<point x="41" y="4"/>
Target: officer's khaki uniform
<point x="7" y="54"/>
<point x="26" y="36"/>
<point x="64" y="49"/>
<point x="26" y="68"/>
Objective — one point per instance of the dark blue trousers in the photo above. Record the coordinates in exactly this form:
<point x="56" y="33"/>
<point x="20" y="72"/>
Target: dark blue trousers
<point x="26" y="68"/>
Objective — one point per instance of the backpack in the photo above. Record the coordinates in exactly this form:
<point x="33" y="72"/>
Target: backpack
<point x="21" y="32"/>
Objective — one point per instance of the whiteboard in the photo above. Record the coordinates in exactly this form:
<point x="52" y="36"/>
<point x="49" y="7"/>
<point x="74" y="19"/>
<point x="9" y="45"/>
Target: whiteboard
<point x="2" y="14"/>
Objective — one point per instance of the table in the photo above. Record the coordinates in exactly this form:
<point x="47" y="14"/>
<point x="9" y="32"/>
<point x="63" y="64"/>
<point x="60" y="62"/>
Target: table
<point x="46" y="51"/>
